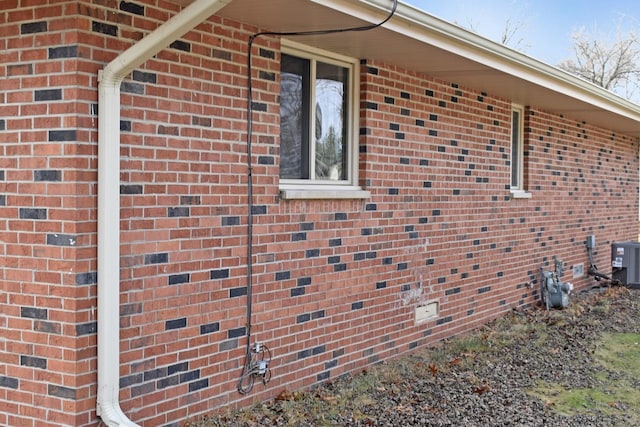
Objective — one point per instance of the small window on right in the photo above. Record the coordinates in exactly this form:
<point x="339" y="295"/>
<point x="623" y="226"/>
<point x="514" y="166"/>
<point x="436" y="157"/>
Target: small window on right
<point x="518" y="189"/>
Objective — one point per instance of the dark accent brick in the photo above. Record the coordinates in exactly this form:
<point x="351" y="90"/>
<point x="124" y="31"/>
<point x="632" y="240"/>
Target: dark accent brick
<point x="371" y="106"/>
<point x="335" y="242"/>
<point x="230" y="220"/>
<point x="333" y="259"/>
<point x="484" y="289"/>
<point x="282" y="275"/>
<point x="176" y="279"/>
<point x="312" y="253"/>
<point x="9" y="382"/>
<point x="265" y="75"/>
<point x="181" y="45"/>
<point x="3" y="124"/>
<point x="86" y="328"/>
<point x="266" y="160"/>
<point x="131" y="87"/>
<point x="154" y="374"/>
<point x="266" y="53"/>
<point x="296" y="292"/>
<point x="357" y="305"/>
<point x="304" y="281"/>
<point x="222" y="273"/>
<point x="62" y="135"/>
<point x="134" y="8"/>
<point x="237" y="332"/>
<point x="47" y="95"/>
<point x="371" y="207"/>
<point x="61" y="392"/>
<point x="301" y="318"/>
<point x="237" y="292"/>
<point x="190" y="376"/>
<point x="168" y="382"/>
<point x="47" y="175"/>
<point x="297" y="237"/>
<point x="158" y="258"/>
<point x="221" y="54"/>
<point x="209" y="328"/>
<point x="63" y="52"/>
<point x="405" y="95"/>
<point x="340" y="267"/>
<point x="323" y="376"/>
<point x="340" y="216"/>
<point x="104" y="28"/>
<point x="198" y="385"/>
<point x="125" y="125"/>
<point x="190" y="200"/>
<point x="3" y="200"/>
<point x="175" y="324"/>
<point x="34" y="362"/>
<point x="34" y="313"/>
<point x="259" y="210"/>
<point x="168" y="130"/>
<point x="178" y="367"/>
<point x="311" y="352"/>
<point x="381" y="285"/>
<point x="61" y="239"/>
<point x="442" y="280"/>
<point x="131" y="189"/>
<point x="330" y="364"/>
<point x="372" y="70"/>
<point x="130" y="380"/>
<point x="402" y="266"/>
<point x="145" y="77"/>
<point x="452" y="291"/>
<point x="33" y="213"/>
<point x="259" y="106"/>
<point x="179" y="211"/>
<point x="444" y="320"/>
<point x="33" y="27"/>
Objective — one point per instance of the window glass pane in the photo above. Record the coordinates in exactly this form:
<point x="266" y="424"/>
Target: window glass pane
<point x="331" y="122"/>
<point x="294" y="117"/>
<point x="515" y="149"/>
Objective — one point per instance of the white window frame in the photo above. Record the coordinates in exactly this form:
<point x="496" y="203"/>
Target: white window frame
<point x="343" y="189"/>
<point x="517" y="159"/>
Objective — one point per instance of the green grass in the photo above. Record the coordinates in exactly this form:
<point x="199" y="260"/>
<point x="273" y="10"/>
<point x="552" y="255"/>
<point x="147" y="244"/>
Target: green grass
<point x="616" y="395"/>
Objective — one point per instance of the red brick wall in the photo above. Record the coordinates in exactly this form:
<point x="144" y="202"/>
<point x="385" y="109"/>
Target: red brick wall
<point x="336" y="283"/>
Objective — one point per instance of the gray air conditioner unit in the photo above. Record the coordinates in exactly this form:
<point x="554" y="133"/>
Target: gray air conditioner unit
<point x="625" y="263"/>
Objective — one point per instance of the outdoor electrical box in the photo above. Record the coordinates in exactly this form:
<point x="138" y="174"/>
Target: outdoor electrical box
<point x="625" y="263"/>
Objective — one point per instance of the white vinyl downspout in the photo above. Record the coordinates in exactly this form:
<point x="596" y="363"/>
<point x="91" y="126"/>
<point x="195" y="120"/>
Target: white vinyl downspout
<point x="110" y="79"/>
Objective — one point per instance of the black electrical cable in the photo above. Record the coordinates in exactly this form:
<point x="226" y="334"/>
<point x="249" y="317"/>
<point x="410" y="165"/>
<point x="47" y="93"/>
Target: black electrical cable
<point x="246" y="369"/>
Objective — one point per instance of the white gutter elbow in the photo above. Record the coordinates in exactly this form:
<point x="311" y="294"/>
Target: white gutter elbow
<point x="110" y="79"/>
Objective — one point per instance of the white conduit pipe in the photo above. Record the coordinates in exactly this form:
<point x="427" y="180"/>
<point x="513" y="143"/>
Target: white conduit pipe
<point x="110" y="79"/>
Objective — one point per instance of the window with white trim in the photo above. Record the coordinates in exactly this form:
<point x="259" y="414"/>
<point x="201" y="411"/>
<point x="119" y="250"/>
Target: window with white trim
<point x="318" y="120"/>
<point x="517" y="149"/>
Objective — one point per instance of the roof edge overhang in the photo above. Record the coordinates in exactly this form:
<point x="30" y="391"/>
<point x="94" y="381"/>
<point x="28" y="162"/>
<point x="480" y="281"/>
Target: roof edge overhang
<point x="418" y="41"/>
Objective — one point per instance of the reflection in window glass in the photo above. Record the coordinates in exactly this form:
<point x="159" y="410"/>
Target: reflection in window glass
<point x="331" y="107"/>
<point x="313" y="120"/>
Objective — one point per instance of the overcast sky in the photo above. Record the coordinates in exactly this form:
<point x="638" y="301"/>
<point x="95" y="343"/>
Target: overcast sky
<point x="544" y="26"/>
